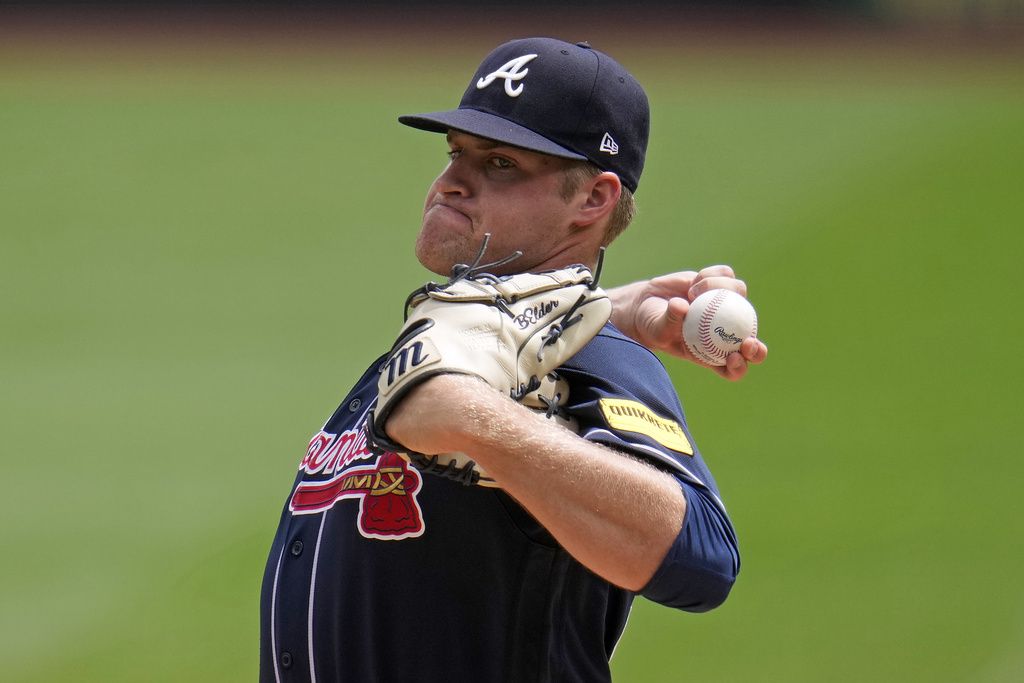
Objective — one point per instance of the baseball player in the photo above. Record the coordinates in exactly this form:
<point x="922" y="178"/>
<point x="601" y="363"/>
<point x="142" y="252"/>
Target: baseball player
<point x="488" y="499"/>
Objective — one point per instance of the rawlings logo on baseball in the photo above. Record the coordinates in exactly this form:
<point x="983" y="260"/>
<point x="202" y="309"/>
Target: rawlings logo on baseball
<point x="532" y="316"/>
<point x="727" y="337"/>
<point x="716" y="325"/>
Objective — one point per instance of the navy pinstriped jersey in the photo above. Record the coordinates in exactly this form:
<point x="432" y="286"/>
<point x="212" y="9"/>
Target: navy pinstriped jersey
<point x="381" y="573"/>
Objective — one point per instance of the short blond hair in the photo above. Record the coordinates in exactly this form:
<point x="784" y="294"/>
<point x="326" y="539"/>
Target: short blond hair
<point x="579" y="172"/>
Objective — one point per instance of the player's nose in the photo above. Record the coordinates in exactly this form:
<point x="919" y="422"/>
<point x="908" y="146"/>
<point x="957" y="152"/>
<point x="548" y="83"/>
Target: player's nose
<point x="454" y="179"/>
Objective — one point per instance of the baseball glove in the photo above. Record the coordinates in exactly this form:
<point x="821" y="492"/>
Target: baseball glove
<point x="511" y="331"/>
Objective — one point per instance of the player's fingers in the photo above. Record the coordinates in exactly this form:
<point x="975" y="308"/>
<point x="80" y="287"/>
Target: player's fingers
<point x="710" y="272"/>
<point x="737" y="363"/>
<point x="660" y="324"/>
<point x="754" y="350"/>
<point x="735" y="367"/>
<point x="672" y="284"/>
<point x="675" y="313"/>
<point x="706" y="284"/>
<point x="721" y="270"/>
<point x="670" y="339"/>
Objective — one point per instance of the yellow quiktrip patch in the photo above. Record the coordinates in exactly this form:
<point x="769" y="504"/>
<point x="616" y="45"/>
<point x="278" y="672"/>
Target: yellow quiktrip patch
<point x="630" y="416"/>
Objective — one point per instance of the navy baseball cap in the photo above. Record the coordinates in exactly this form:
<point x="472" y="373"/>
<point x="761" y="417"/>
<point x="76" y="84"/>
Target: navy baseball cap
<point x="553" y="97"/>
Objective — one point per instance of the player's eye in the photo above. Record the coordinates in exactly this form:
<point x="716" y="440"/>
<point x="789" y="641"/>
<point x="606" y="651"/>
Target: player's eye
<point x="502" y="162"/>
<point x="452" y="154"/>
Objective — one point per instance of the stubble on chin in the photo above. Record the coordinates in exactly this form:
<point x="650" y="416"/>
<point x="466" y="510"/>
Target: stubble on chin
<point x="444" y="239"/>
<point x="438" y="253"/>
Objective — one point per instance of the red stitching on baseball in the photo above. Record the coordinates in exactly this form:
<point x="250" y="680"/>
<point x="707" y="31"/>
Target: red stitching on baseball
<point x="706" y="340"/>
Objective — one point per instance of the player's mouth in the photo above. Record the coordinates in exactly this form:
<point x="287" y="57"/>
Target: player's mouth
<point x="447" y="214"/>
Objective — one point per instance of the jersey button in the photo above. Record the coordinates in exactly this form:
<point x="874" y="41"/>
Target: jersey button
<point x="297" y="548"/>
<point x="286" y="660"/>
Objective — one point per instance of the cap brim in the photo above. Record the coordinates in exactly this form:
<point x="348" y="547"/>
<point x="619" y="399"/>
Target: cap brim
<point x="488" y="126"/>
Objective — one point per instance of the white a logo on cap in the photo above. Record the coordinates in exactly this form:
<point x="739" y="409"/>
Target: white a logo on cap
<point x="513" y="70"/>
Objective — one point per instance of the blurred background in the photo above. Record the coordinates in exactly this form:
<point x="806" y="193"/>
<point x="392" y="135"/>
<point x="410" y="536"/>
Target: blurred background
<point x="206" y="219"/>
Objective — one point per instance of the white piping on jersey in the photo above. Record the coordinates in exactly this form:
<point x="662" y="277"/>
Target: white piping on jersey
<point x="273" y="618"/>
<point x="661" y="457"/>
<point x="312" y="591"/>
<point x="618" y="640"/>
<point x="312" y="587"/>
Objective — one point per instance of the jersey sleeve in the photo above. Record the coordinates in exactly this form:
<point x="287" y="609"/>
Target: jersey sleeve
<point x="622" y="397"/>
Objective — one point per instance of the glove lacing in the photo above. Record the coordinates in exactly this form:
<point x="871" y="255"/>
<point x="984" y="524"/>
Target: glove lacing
<point x="567" y="320"/>
<point x="462" y="271"/>
<point x="379" y="443"/>
<point x="466" y="474"/>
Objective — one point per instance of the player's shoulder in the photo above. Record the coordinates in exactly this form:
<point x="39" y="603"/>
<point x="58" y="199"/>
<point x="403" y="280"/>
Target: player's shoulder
<point x="615" y="356"/>
<point x="621" y="395"/>
<point x="614" y="366"/>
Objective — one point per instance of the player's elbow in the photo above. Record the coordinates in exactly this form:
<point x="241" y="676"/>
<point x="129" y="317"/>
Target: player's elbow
<point x="692" y="587"/>
<point x="713" y="592"/>
<point x="700" y="569"/>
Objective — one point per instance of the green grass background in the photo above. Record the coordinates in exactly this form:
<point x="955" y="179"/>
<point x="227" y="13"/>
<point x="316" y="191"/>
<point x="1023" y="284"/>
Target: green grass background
<point x="201" y="248"/>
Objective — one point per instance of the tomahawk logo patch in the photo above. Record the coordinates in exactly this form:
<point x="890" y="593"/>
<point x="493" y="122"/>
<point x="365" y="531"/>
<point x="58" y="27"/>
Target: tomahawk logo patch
<point x="511" y="71"/>
<point x="386" y="490"/>
<point x="631" y="416"/>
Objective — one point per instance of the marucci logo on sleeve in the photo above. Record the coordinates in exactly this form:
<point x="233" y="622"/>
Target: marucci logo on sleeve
<point x="631" y="416"/>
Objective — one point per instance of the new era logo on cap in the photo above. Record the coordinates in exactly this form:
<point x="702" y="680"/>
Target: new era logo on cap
<point x="609" y="145"/>
<point x="556" y="98"/>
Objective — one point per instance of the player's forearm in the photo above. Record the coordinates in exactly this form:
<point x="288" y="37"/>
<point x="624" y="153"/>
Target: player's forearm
<point x="615" y="515"/>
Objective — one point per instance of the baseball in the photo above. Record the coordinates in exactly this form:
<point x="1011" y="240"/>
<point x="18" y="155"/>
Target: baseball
<point x="717" y="324"/>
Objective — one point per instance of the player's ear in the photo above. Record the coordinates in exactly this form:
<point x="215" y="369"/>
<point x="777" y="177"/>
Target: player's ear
<point x="598" y="196"/>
